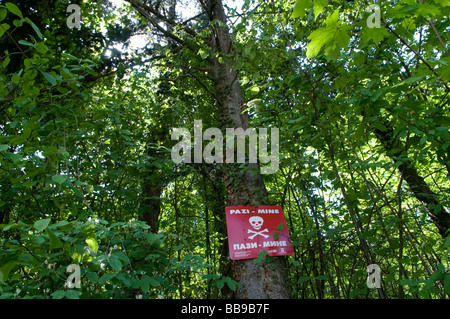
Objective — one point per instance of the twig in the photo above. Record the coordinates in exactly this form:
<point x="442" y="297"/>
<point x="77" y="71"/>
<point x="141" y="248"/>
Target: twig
<point x="437" y="34"/>
<point x="417" y="55"/>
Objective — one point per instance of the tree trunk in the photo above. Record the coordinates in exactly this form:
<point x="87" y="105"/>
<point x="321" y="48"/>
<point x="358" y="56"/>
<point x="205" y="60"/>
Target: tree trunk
<point x="416" y="183"/>
<point x="243" y="187"/>
<point x="153" y="184"/>
<point x="150" y="204"/>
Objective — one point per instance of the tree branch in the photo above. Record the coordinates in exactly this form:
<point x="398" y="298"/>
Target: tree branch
<point x="147" y="12"/>
<point x="417" y="55"/>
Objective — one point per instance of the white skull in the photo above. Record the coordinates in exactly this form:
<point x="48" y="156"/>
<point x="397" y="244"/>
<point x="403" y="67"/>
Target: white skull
<point x="256" y="222"/>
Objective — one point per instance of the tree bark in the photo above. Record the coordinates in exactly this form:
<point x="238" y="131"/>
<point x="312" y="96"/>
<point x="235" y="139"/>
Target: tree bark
<point x="246" y="187"/>
<point x="416" y="183"/>
<point x="150" y="204"/>
<point x="243" y="187"/>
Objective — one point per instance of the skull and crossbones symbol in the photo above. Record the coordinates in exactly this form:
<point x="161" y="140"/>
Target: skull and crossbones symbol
<point x="256" y="223"/>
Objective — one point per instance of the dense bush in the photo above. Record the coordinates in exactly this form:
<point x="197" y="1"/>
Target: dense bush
<point x="117" y="260"/>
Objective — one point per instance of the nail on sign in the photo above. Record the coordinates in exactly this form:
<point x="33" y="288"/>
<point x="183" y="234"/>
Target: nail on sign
<point x="254" y="229"/>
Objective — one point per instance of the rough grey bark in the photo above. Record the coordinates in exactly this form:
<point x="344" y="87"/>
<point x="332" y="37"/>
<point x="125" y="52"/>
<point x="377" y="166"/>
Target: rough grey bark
<point x="257" y="280"/>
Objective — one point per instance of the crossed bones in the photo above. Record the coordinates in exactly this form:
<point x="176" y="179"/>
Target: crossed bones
<point x="257" y="233"/>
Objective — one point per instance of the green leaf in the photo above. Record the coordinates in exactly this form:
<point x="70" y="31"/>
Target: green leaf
<point x="311" y="233"/>
<point x="3" y="13"/>
<point x="55" y="243"/>
<point x="319" y="6"/>
<point x="203" y="54"/>
<point x="36" y="29"/>
<point x="92" y="244"/>
<point x="153" y="282"/>
<point x="8" y="226"/>
<point x="333" y="18"/>
<point x="447" y="242"/>
<point x="3" y="28"/>
<point x="144" y="284"/>
<point x="23" y="42"/>
<point x="220" y="283"/>
<point x="5" y="270"/>
<point x="357" y="292"/>
<point x="13" y="157"/>
<point x="303" y="279"/>
<point x="92" y="276"/>
<point x="105" y="278"/>
<point x="15" y="78"/>
<point x="59" y="179"/>
<point x="254" y="89"/>
<point x="374" y="35"/>
<point x="333" y="37"/>
<point x="58" y="294"/>
<point x="277" y="233"/>
<point x="42" y="224"/>
<point x="6" y="62"/>
<point x="14" y="9"/>
<point x="115" y="263"/>
<point x="427" y="10"/>
<point x="18" y="23"/>
<point x="319" y="38"/>
<point x="50" y="78"/>
<point x="3" y="147"/>
<point x="147" y="281"/>
<point x="72" y="294"/>
<point x="41" y="48"/>
<point x="122" y="256"/>
<point x="300" y="7"/>
<point x="261" y="255"/>
<point x="69" y="56"/>
<point x="423" y="140"/>
<point x="61" y="223"/>
<point x="76" y="190"/>
<point x="408" y="282"/>
<point x="231" y="283"/>
<point x="444" y="3"/>
<point x="375" y="95"/>
<point x="280" y="227"/>
<point x="380" y="126"/>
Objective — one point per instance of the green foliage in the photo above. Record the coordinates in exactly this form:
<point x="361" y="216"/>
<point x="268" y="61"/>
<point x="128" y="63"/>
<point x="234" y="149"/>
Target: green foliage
<point x="118" y="255"/>
<point x="333" y="37"/>
<point x="85" y="147"/>
<point x="329" y="82"/>
<point x="300" y="7"/>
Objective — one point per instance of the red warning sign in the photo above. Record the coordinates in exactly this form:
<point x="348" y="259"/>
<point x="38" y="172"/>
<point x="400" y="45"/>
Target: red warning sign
<point x="252" y="229"/>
